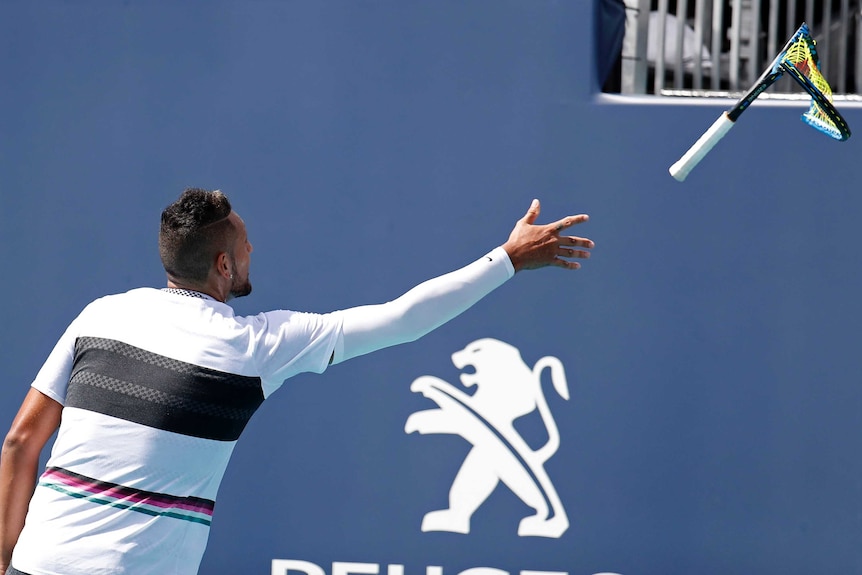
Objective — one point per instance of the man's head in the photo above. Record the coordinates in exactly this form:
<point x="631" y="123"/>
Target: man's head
<point x="201" y="240"/>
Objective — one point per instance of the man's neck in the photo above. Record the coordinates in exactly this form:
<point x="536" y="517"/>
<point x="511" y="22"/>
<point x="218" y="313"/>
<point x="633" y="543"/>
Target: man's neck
<point x="206" y="290"/>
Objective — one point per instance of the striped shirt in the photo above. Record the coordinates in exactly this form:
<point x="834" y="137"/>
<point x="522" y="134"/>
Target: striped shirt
<point x="156" y="388"/>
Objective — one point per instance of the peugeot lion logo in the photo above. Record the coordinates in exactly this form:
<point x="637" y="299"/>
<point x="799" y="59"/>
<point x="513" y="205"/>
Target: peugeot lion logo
<point x="506" y="389"/>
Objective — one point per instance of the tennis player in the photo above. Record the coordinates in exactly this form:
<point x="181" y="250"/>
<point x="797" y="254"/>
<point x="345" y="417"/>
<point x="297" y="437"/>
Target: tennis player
<point x="149" y="391"/>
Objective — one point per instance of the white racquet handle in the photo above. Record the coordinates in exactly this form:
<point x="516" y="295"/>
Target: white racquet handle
<point x="701" y="147"/>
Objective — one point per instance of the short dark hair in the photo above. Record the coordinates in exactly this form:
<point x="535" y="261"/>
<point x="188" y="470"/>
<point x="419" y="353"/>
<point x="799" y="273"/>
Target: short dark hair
<point x="194" y="230"/>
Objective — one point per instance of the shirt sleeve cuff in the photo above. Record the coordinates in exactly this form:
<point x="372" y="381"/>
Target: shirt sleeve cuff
<point x="499" y="254"/>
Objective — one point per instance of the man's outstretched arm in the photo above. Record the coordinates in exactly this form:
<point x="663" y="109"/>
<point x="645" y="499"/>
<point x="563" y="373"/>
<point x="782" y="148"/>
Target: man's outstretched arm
<point x="37" y="419"/>
<point x="436" y="301"/>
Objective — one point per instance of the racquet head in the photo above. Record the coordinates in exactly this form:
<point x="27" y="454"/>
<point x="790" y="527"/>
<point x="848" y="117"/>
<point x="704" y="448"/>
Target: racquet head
<point x="802" y="63"/>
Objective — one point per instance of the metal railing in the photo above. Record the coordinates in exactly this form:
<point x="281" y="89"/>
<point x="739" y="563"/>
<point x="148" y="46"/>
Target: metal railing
<point x="720" y="47"/>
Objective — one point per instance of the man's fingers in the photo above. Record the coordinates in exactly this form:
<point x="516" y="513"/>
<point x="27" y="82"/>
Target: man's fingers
<point x="576" y="241"/>
<point x="570" y="221"/>
<point x="572" y="253"/>
<point x="559" y="262"/>
<point x="533" y="212"/>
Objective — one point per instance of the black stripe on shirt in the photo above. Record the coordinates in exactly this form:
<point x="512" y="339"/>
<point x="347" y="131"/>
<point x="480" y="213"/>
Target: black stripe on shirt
<point x="120" y="380"/>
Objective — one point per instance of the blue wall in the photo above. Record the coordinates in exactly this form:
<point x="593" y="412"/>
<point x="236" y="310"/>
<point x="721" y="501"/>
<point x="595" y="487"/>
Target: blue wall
<point x="710" y="346"/>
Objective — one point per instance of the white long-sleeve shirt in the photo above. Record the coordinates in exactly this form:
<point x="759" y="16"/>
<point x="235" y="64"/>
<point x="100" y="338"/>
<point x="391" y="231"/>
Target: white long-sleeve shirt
<point x="157" y="387"/>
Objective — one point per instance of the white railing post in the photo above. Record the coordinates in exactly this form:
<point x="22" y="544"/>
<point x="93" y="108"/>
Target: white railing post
<point x="634" y="64"/>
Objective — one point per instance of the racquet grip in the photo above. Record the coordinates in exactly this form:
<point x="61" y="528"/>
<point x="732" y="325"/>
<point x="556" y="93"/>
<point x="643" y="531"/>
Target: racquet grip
<point x="701" y="147"/>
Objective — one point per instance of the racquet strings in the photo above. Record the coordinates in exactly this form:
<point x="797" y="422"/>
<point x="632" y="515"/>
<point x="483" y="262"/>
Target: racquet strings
<point x="802" y="55"/>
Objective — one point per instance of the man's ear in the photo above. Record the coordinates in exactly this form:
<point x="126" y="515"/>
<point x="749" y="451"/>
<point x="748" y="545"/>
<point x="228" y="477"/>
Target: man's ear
<point x="223" y="266"/>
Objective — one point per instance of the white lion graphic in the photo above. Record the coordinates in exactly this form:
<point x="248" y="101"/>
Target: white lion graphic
<point x="506" y="388"/>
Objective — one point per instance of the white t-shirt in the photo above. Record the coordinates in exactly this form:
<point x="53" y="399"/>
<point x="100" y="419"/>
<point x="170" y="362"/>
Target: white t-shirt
<point x="156" y="388"/>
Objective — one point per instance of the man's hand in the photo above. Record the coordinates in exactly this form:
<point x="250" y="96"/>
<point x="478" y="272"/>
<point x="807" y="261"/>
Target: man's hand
<point x="535" y="246"/>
